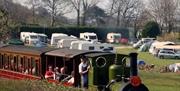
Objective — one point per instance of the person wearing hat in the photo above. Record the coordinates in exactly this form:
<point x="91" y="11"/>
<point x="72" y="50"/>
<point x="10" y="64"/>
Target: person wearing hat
<point x="83" y="71"/>
<point x="49" y="73"/>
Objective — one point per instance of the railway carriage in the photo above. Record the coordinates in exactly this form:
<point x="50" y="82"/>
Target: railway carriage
<point x="19" y="62"/>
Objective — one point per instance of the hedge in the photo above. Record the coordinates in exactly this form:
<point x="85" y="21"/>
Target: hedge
<point x="101" y="32"/>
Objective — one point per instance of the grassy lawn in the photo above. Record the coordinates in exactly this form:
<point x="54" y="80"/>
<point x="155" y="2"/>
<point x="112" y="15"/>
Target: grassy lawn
<point x="29" y="85"/>
<point x="155" y="80"/>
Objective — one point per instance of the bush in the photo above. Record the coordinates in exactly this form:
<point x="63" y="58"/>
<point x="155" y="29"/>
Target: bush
<point x="151" y="29"/>
<point x="169" y="37"/>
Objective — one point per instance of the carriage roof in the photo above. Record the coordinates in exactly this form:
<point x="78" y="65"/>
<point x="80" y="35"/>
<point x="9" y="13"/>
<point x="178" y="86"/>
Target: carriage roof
<point x="91" y="55"/>
<point x="2" y="45"/>
<point x="69" y="53"/>
<point x="26" y="49"/>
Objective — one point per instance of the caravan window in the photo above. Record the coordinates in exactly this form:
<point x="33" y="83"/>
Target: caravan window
<point x="110" y="48"/>
<point x="92" y="37"/>
<point x="43" y="39"/>
<point x="56" y="40"/>
<point x="101" y="47"/>
<point x="91" y="48"/>
<point x="86" y="37"/>
<point x="33" y="37"/>
<point x="117" y="36"/>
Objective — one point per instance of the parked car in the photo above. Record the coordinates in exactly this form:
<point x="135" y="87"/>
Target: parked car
<point x="168" y="54"/>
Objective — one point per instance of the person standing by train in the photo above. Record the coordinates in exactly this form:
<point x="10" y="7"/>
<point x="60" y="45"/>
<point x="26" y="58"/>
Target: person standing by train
<point x="83" y="71"/>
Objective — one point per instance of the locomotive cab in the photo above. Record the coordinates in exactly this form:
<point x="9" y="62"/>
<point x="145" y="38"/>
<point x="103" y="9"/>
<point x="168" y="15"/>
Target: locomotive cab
<point x="105" y="67"/>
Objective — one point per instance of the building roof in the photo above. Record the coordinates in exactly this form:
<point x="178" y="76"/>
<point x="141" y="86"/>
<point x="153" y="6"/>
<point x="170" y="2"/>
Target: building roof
<point x="26" y="49"/>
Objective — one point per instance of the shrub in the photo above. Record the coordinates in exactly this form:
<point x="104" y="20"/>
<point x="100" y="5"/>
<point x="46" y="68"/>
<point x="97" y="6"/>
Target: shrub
<point x="151" y="29"/>
<point x="169" y="37"/>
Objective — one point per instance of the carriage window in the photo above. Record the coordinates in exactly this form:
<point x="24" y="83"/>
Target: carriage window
<point x="0" y="61"/>
<point x="6" y="62"/>
<point x="15" y="63"/>
<point x="12" y="63"/>
<point x="27" y="66"/>
<point x="37" y="67"/>
<point x="21" y="64"/>
<point x="34" y="67"/>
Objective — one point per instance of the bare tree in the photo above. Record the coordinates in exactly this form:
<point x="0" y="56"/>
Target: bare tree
<point x="76" y="4"/>
<point x="56" y="8"/>
<point x="81" y="7"/>
<point x="164" y="12"/>
<point x="86" y="5"/>
<point x="34" y="5"/>
<point x="124" y="10"/>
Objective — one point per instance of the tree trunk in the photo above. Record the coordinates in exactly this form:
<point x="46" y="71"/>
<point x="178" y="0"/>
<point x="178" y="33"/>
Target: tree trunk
<point x="118" y="18"/>
<point x="84" y="19"/>
<point x="33" y="8"/>
<point x="78" y="18"/>
<point x="52" y="21"/>
<point x="53" y="14"/>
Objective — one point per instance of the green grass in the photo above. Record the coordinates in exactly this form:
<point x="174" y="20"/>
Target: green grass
<point x="155" y="80"/>
<point x="161" y="81"/>
<point x="29" y="85"/>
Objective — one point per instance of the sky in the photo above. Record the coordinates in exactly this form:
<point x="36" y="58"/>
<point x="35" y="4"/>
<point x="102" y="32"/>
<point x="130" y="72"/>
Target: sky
<point x="103" y="4"/>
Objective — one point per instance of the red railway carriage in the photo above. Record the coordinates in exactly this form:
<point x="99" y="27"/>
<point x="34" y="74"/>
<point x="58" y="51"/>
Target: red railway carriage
<point x="19" y="62"/>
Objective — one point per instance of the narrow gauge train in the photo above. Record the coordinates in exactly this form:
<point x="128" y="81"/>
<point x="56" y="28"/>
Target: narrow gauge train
<point x="23" y="62"/>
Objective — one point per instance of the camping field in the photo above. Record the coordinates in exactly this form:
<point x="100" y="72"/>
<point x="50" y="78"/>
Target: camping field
<point x="153" y="79"/>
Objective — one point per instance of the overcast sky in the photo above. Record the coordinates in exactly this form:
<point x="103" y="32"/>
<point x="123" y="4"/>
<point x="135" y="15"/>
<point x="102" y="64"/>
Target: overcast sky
<point x="103" y="4"/>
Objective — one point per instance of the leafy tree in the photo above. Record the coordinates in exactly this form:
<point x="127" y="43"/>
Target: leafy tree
<point x="3" y="24"/>
<point x="151" y="29"/>
<point x="97" y="14"/>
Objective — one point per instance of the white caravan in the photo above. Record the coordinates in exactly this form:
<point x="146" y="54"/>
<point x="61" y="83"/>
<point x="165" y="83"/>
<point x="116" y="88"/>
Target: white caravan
<point x="42" y="37"/>
<point x="88" y="36"/>
<point x="65" y="43"/>
<point x="58" y="36"/>
<point x="86" y="45"/>
<point x="33" y="39"/>
<point x="113" y="37"/>
<point x="157" y="44"/>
